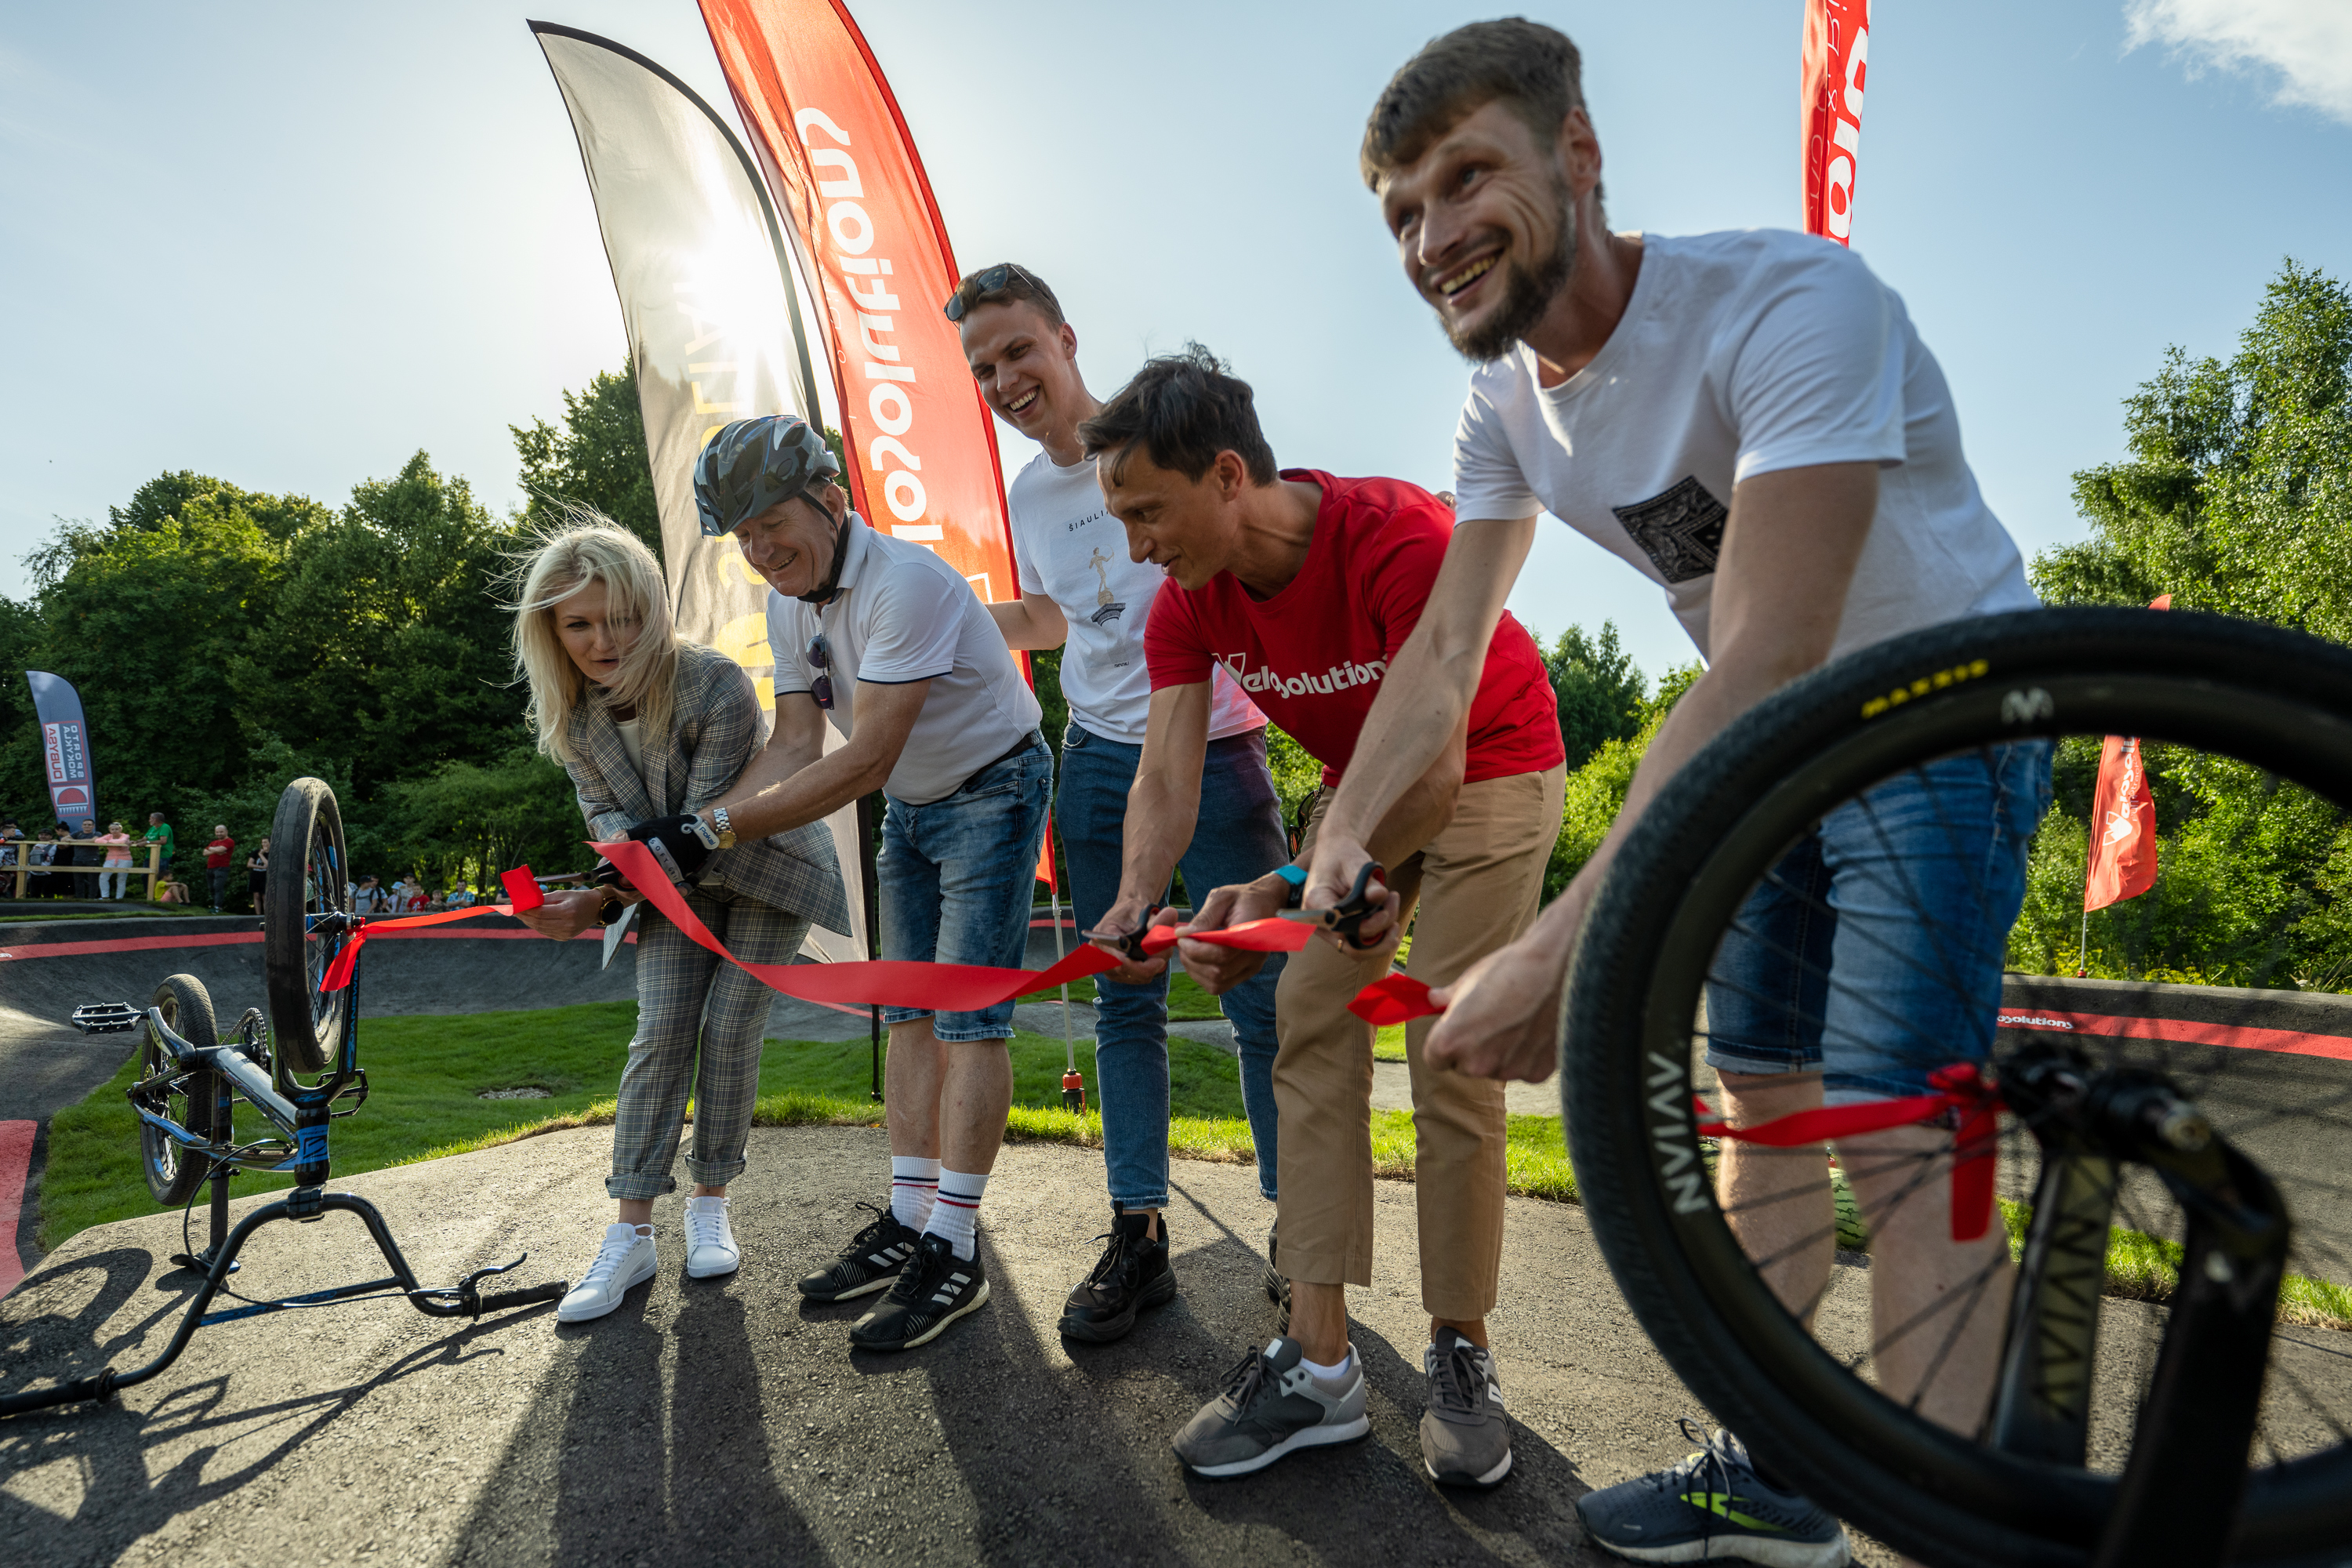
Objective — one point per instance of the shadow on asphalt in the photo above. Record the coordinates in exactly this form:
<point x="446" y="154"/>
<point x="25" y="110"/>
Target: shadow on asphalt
<point x="109" y="1443"/>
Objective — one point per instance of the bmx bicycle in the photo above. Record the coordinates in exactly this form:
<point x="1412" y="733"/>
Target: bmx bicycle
<point x="191" y="1080"/>
<point x="2172" y="1321"/>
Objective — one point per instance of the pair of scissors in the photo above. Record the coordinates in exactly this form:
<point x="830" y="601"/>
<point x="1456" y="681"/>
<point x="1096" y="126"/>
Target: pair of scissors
<point x="1348" y="915"/>
<point x="1129" y="943"/>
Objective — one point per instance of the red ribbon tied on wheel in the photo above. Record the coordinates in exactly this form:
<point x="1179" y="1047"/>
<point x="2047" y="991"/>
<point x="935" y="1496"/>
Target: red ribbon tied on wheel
<point x="1958" y="1088"/>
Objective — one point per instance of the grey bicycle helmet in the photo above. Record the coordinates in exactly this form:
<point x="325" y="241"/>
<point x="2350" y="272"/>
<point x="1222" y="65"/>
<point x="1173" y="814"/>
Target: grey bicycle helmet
<point x="752" y="464"/>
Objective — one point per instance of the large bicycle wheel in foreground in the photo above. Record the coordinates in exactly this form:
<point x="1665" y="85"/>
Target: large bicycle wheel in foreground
<point x="2139" y="1176"/>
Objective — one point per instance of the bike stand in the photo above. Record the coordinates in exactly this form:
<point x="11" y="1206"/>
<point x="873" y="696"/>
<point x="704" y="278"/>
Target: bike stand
<point x="462" y="1299"/>
<point x="202" y="1262"/>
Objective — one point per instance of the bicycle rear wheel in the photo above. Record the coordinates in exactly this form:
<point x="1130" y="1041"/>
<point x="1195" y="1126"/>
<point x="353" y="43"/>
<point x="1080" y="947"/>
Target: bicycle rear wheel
<point x="308" y="870"/>
<point x="175" y="1172"/>
<point x="1761" y="883"/>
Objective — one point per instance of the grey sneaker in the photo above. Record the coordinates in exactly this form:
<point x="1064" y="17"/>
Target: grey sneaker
<point x="1269" y="1406"/>
<point x="1465" y="1440"/>
<point x="1712" y="1505"/>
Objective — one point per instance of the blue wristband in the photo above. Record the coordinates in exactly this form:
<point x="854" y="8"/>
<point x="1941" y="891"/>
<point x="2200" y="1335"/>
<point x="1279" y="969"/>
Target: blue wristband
<point x="1296" y="876"/>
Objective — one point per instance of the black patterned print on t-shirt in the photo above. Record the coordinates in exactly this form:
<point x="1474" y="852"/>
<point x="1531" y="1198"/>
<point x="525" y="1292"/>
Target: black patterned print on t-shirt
<point x="1680" y="529"/>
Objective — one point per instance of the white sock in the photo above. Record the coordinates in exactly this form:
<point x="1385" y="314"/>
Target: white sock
<point x="913" y="1183"/>
<point x="957" y="1217"/>
<point x="1330" y="1374"/>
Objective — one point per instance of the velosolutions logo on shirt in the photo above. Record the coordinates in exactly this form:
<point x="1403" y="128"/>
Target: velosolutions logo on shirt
<point x="1336" y="677"/>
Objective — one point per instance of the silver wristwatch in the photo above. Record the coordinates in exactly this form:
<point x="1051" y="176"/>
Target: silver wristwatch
<point x="726" y="830"/>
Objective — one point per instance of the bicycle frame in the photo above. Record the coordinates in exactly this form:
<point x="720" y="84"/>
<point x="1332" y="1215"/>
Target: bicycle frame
<point x="301" y="1113"/>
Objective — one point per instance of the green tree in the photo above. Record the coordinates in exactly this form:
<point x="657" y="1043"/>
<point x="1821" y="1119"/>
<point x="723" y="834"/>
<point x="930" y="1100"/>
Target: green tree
<point x="2237" y="498"/>
<point x="1596" y="790"/>
<point x="149" y="621"/>
<point x="597" y="459"/>
<point x="466" y="822"/>
<point x="1599" y="691"/>
<point x="383" y="644"/>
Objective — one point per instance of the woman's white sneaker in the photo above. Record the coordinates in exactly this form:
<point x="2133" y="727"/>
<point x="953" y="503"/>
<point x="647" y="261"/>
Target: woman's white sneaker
<point x="627" y="1258"/>
<point x="710" y="1249"/>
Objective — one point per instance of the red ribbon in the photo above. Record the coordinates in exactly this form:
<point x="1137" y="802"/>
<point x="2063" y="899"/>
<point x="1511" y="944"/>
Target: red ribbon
<point x="1957" y="1087"/>
<point x="1393" y="999"/>
<point x="338" y="973"/>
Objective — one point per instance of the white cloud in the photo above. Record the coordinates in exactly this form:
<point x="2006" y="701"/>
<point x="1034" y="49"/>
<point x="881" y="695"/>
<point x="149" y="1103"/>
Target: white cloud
<point x="2306" y="44"/>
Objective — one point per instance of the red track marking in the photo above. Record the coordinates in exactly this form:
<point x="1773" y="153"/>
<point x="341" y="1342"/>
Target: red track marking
<point x="131" y="945"/>
<point x="2285" y="1041"/>
<point x="16" y="1160"/>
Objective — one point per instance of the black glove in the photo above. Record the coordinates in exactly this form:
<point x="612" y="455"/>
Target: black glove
<point x="682" y="844"/>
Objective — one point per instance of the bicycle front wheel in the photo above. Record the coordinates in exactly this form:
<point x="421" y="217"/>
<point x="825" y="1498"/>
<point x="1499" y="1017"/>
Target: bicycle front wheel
<point x="174" y="1170"/>
<point x="308" y="870"/>
<point x="1821" y="905"/>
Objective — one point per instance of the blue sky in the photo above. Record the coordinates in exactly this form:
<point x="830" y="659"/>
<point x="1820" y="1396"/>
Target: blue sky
<point x="291" y="244"/>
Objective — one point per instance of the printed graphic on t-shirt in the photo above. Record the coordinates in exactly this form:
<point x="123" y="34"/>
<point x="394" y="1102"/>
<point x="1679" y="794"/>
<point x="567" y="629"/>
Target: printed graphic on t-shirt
<point x="1106" y="605"/>
<point x="1681" y="528"/>
<point x="1329" y="682"/>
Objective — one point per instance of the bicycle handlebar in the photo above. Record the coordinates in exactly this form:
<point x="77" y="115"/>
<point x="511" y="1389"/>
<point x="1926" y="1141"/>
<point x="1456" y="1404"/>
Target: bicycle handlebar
<point x="500" y="1300"/>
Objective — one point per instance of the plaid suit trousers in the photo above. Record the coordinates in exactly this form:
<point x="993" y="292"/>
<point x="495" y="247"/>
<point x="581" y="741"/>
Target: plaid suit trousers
<point x="688" y="997"/>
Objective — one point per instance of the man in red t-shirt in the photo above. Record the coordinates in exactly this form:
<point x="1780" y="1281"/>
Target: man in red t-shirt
<point x="1303" y="586"/>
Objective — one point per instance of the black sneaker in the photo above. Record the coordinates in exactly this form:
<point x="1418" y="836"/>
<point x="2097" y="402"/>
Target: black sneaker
<point x="934" y="1289"/>
<point x="1133" y="1273"/>
<point x="1712" y="1505"/>
<point x="871" y="1260"/>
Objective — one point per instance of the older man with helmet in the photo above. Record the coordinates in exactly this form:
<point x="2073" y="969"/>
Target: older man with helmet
<point x="890" y="641"/>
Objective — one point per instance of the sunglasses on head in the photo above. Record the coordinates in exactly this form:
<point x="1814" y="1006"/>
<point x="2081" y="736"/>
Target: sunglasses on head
<point x="989" y="281"/>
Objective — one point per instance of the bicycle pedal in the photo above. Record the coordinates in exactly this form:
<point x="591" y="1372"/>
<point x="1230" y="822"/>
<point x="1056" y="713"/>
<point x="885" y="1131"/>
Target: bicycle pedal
<point x="105" y="1017"/>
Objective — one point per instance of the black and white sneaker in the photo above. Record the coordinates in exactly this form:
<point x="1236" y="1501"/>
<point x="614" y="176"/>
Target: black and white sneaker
<point x="869" y="1263"/>
<point x="933" y="1289"/>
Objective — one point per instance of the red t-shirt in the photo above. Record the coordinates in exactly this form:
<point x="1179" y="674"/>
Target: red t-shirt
<point x="217" y="852"/>
<point x="1313" y="656"/>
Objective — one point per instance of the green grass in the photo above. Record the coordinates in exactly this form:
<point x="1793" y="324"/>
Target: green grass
<point x="428" y="1074"/>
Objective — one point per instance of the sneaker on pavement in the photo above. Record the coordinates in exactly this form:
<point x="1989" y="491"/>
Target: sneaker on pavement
<point x="870" y="1262"/>
<point x="932" y="1290"/>
<point x="1712" y="1505"/>
<point x="1133" y="1273"/>
<point x="626" y="1258"/>
<point x="1465" y="1440"/>
<point x="1271" y="1405"/>
<point x="710" y="1249"/>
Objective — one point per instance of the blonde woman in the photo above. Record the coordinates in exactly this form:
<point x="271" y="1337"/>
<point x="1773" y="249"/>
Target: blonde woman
<point x="111" y="880"/>
<point x="649" y="727"/>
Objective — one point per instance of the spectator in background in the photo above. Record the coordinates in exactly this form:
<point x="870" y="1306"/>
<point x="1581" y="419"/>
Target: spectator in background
<point x="86" y="852"/>
<point x="118" y="859"/>
<point x="174" y="892"/>
<point x="11" y="846"/>
<point x="160" y="832"/>
<point x="216" y="864"/>
<point x="461" y="896"/>
<point x="42" y="852"/>
<point x="257" y="873"/>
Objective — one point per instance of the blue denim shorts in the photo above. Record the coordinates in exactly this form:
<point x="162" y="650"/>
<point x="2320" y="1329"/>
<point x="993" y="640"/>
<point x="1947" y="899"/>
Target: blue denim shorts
<point x="957" y="878"/>
<point x="1872" y="952"/>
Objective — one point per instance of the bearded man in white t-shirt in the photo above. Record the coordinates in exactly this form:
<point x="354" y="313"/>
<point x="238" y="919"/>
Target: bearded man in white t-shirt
<point x="1750" y="420"/>
<point x="1082" y="593"/>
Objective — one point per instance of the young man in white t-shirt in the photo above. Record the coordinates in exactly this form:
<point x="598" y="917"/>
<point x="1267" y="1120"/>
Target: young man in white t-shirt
<point x="1750" y="420"/>
<point x="891" y="643"/>
<point x="1081" y="591"/>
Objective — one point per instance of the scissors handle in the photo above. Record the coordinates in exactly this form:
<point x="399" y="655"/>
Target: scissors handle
<point x="1348" y="915"/>
<point x="1129" y="942"/>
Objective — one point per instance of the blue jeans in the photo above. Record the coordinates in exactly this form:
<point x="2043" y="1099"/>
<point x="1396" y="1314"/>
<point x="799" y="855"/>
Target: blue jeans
<point x="1872" y="952"/>
<point x="956" y="877"/>
<point x="1237" y="837"/>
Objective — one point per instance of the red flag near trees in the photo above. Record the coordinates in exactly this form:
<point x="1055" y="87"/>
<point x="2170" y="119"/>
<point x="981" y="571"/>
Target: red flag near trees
<point x="2122" y="822"/>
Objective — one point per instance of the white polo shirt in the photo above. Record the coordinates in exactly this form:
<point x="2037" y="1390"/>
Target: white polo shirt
<point x="904" y="615"/>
